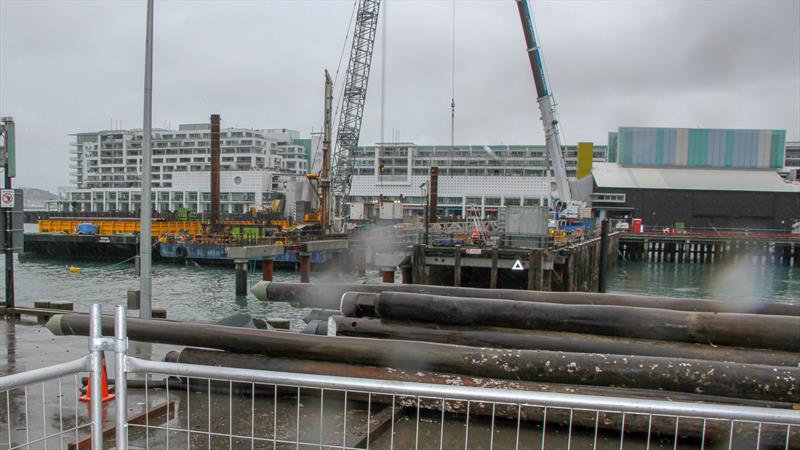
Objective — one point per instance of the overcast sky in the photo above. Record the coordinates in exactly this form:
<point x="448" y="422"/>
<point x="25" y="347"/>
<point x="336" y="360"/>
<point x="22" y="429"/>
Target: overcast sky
<point x="71" y="66"/>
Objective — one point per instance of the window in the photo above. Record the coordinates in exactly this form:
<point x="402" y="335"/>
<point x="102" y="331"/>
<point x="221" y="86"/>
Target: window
<point x="608" y="197"/>
<point x="449" y="200"/>
<point x="531" y="202"/>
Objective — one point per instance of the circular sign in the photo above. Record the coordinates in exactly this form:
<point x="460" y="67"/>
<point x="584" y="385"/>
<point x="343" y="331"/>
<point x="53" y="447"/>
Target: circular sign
<point x="7" y="198"/>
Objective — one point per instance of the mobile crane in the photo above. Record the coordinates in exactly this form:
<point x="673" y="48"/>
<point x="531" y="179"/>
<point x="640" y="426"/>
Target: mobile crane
<point x="354" y="97"/>
<point x="562" y="203"/>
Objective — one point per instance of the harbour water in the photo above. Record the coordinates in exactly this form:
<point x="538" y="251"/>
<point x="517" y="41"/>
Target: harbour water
<point x="204" y="293"/>
<point x="187" y="292"/>
<point x="741" y="281"/>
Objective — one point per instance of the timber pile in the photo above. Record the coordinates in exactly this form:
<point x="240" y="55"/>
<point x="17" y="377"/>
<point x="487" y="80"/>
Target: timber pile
<point x="640" y="347"/>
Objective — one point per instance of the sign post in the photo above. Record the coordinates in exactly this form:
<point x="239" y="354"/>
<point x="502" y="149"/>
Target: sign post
<point x="7" y="197"/>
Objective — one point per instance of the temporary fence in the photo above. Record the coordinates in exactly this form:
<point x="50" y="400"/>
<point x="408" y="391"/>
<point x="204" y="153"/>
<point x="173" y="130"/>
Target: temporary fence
<point x="193" y="406"/>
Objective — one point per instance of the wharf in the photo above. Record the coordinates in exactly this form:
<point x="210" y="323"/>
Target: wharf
<point x="572" y="268"/>
<point x="759" y="248"/>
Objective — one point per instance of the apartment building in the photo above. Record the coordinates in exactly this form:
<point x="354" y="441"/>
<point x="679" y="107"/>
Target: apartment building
<point x="105" y="168"/>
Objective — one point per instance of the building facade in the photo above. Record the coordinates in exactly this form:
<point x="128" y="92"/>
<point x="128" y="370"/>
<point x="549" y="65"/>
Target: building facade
<point x="261" y="164"/>
<point x="473" y="179"/>
<point x="105" y="168"/>
<point x="702" y="178"/>
<point x="792" y="160"/>
<point x="702" y="147"/>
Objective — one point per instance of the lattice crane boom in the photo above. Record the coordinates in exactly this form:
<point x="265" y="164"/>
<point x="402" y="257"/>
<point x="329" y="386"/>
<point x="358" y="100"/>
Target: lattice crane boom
<point x="353" y="98"/>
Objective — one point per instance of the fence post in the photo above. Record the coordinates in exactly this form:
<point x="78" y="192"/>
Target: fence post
<point x="96" y="402"/>
<point x="121" y="386"/>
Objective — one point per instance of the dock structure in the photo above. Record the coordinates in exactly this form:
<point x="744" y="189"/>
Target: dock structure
<point x="779" y="250"/>
<point x="571" y="268"/>
<point x="242" y="256"/>
<point x="267" y="253"/>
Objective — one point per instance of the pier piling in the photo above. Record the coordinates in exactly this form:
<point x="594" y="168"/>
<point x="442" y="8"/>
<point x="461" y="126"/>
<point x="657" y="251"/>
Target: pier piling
<point x="493" y="275"/>
<point x="457" y="266"/>
<point x="405" y="274"/>
<point x="241" y="277"/>
<point x="305" y="267"/>
<point x="601" y="282"/>
<point x="388" y="274"/>
<point x="336" y="262"/>
<point x="267" y="267"/>
<point x="134" y="298"/>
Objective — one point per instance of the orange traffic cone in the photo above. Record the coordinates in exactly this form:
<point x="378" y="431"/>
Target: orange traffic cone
<point x="104" y="379"/>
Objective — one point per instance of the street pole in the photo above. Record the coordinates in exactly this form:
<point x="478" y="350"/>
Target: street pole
<point x="8" y="150"/>
<point x="145" y="239"/>
<point x="426" y="213"/>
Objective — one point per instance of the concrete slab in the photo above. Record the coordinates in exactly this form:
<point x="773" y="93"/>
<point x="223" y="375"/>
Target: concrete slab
<point x="255" y="251"/>
<point x="321" y="246"/>
<point x="389" y="259"/>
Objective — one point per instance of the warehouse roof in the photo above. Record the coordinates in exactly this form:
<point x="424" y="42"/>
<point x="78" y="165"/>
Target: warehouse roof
<point x="612" y="175"/>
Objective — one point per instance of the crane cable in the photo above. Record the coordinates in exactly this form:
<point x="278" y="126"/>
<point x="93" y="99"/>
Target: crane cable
<point x="383" y="73"/>
<point x="453" y="91"/>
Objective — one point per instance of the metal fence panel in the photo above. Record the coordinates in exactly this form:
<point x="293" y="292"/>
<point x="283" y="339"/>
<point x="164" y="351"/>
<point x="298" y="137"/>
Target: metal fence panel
<point x="204" y="407"/>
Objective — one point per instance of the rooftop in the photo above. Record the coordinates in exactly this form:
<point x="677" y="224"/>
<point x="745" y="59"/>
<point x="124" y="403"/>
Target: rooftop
<point x="612" y="175"/>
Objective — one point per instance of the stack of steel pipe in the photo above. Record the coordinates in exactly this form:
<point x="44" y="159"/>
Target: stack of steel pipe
<point x="614" y="345"/>
<point x="604" y="340"/>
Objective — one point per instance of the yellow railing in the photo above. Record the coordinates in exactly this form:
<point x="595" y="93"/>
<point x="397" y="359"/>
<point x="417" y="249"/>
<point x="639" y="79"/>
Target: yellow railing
<point x="112" y="227"/>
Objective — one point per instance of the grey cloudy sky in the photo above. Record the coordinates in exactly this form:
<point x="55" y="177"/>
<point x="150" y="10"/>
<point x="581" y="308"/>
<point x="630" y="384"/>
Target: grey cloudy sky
<point x="69" y="66"/>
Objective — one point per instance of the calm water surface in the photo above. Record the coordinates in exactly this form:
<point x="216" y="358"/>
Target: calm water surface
<point x="202" y="293"/>
<point x="188" y="292"/>
<point x="741" y="281"/>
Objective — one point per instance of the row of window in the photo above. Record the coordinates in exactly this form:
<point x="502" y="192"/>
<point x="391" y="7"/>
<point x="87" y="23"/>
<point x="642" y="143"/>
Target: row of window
<point x="163" y="196"/>
<point x="455" y="201"/>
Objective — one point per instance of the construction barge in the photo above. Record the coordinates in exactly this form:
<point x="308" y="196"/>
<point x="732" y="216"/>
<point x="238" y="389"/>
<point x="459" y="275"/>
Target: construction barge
<point x="173" y="240"/>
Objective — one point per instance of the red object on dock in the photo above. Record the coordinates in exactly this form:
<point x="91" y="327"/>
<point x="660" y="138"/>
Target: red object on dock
<point x="104" y="391"/>
<point x="638" y="226"/>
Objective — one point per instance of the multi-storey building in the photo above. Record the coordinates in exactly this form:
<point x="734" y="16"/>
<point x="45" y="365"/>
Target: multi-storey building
<point x="792" y="154"/>
<point x="475" y="178"/>
<point x="257" y="165"/>
<point x="106" y="168"/>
